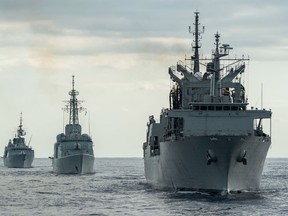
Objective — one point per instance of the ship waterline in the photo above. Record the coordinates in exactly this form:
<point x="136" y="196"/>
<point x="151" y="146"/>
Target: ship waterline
<point x="217" y="163"/>
<point x="20" y="159"/>
<point x="74" y="164"/>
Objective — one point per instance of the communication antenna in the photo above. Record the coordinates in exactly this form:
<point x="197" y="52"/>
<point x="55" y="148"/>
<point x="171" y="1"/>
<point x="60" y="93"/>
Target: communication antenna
<point x="29" y="140"/>
<point x="261" y="96"/>
<point x="63" y="119"/>
<point x="89" y="122"/>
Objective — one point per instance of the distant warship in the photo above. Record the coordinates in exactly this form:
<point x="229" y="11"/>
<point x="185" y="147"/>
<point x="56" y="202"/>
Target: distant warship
<point x="73" y="151"/>
<point x="207" y="139"/>
<point x="17" y="154"/>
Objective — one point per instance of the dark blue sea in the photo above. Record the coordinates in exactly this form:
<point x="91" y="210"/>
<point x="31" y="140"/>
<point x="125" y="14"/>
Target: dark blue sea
<point x="119" y="188"/>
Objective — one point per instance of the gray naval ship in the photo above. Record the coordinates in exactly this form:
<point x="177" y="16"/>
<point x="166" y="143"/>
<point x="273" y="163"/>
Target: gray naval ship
<point x="73" y="151"/>
<point x="17" y="154"/>
<point x="207" y="139"/>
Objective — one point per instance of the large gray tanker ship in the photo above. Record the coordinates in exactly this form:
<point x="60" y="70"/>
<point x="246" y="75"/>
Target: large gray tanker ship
<point x="207" y="139"/>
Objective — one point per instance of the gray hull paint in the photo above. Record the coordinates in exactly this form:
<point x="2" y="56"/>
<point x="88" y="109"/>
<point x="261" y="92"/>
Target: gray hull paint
<point x="183" y="164"/>
<point x="74" y="164"/>
<point x="18" y="160"/>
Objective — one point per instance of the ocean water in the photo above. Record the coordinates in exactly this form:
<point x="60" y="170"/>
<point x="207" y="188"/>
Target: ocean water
<point x="118" y="187"/>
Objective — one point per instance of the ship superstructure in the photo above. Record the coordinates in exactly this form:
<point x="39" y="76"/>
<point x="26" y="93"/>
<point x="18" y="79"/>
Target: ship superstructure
<point x="207" y="139"/>
<point x="73" y="151"/>
<point x="17" y="154"/>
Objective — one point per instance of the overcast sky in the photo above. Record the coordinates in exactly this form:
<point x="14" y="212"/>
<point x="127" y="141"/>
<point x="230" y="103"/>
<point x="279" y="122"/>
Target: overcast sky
<point x="119" y="52"/>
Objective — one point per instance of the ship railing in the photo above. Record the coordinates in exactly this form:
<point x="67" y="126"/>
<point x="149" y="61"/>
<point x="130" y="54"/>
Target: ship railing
<point x="21" y="148"/>
<point x="175" y="134"/>
<point x="164" y="111"/>
<point x="173" y="68"/>
<point x="231" y="66"/>
<point x="155" y="152"/>
<point x="240" y="64"/>
<point x="217" y="132"/>
<point x="182" y="64"/>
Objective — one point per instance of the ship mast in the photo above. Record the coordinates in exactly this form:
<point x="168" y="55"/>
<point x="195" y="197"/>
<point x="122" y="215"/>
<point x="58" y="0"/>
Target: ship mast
<point x="73" y="105"/>
<point x="220" y="51"/>
<point x="73" y="108"/>
<point x="20" y="130"/>
<point x="196" y="46"/>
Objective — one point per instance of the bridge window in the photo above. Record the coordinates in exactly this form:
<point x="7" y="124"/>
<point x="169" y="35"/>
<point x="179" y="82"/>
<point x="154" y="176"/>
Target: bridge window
<point x="219" y="107"/>
<point x="203" y="107"/>
<point x="226" y="107"/>
<point x="195" y="107"/>
<point x="211" y="107"/>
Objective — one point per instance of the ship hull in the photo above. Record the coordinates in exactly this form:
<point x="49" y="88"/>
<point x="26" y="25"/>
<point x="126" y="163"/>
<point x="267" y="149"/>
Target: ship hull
<point x="74" y="164"/>
<point x="183" y="164"/>
<point x="19" y="160"/>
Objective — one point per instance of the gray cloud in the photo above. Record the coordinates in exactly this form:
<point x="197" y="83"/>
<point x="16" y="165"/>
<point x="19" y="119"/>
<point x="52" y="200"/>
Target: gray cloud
<point x="136" y="19"/>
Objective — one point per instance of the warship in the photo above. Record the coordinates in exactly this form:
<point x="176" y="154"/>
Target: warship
<point x="17" y="154"/>
<point x="73" y="151"/>
<point x="208" y="139"/>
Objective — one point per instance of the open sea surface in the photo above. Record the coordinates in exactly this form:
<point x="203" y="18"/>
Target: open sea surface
<point x="118" y="187"/>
